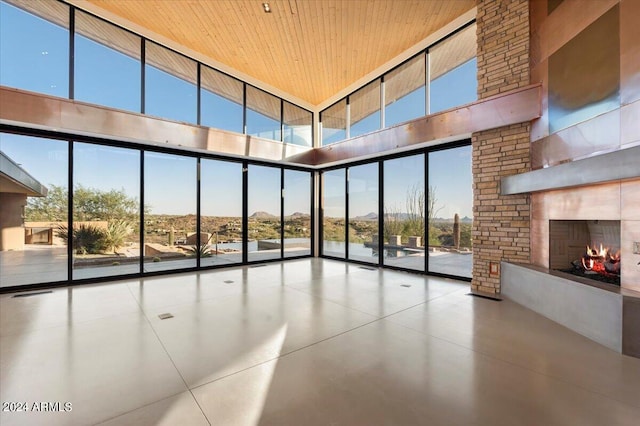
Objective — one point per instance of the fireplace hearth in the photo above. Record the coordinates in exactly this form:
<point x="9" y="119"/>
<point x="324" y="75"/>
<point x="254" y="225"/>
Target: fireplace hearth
<point x="586" y="248"/>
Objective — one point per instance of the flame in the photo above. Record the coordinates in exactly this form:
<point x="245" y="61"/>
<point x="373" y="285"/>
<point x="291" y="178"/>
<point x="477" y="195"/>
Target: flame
<point x="595" y="259"/>
<point x="594" y="252"/>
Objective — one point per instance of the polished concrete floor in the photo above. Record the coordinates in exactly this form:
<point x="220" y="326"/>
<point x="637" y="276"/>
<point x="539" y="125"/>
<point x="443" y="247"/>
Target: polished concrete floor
<point x="306" y="342"/>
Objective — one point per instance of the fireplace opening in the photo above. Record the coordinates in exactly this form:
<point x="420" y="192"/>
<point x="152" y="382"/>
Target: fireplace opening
<point x="586" y="248"/>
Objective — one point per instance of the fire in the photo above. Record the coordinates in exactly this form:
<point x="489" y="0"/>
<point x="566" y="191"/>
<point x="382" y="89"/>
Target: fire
<point x="601" y="261"/>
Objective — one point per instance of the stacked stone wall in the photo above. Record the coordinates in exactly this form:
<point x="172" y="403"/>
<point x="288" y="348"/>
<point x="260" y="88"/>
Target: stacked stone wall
<point x="501" y="224"/>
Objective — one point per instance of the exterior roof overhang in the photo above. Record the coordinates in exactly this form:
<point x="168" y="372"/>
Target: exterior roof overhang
<point x="14" y="179"/>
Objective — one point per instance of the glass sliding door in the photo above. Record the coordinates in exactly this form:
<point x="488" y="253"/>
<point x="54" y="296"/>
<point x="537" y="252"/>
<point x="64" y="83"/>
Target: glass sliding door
<point x="450" y="212"/>
<point x="404" y="212"/>
<point x="170" y="203"/>
<point x="221" y="212"/>
<point x="334" y="212"/>
<point x="106" y="211"/>
<point x="363" y="212"/>
<point x="264" y="198"/>
<point x="297" y="213"/>
<point x="34" y="206"/>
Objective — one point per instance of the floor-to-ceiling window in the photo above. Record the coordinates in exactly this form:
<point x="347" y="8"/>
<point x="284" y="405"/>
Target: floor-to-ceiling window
<point x="363" y="212"/>
<point x="170" y="203"/>
<point x="334" y="204"/>
<point x="449" y="211"/>
<point x="426" y="202"/>
<point x="34" y="206"/>
<point x="220" y="212"/>
<point x="404" y="212"/>
<point x="264" y="212"/>
<point x="106" y="211"/>
<point x="297" y="213"/>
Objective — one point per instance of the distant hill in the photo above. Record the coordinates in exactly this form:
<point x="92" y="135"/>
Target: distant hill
<point x="299" y="215"/>
<point x="262" y="215"/>
<point x="368" y="216"/>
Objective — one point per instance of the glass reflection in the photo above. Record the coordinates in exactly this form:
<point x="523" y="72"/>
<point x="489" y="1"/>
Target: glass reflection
<point x="221" y="100"/>
<point x="170" y="235"/>
<point x="364" y="109"/>
<point x="170" y="84"/>
<point x="334" y="213"/>
<point x="107" y="64"/>
<point x="264" y="213"/>
<point x="263" y="114"/>
<point x="106" y="211"/>
<point x="405" y="92"/>
<point x="449" y="211"/>
<point x="34" y="52"/>
<point x="584" y="74"/>
<point x="34" y="207"/>
<point x="404" y="212"/>
<point x="453" y="71"/>
<point x="221" y="212"/>
<point x="334" y="123"/>
<point x="297" y="125"/>
<point x="363" y="212"/>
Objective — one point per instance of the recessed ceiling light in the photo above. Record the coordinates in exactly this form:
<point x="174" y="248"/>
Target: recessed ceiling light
<point x="266" y="7"/>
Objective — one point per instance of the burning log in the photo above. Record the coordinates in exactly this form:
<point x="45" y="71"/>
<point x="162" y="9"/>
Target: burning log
<point x="599" y="261"/>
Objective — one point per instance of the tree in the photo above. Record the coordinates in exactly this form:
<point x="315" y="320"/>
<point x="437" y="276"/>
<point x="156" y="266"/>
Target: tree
<point x="432" y="211"/>
<point x="89" y="204"/>
<point x="53" y="207"/>
<point x="415" y="211"/>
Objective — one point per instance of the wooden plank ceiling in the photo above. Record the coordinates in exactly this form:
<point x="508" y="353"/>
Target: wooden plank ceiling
<point x="311" y="49"/>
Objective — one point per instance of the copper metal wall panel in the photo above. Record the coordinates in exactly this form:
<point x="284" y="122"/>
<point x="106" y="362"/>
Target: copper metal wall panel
<point x="539" y="74"/>
<point x="584" y="74"/>
<point x="630" y="253"/>
<point x="584" y="203"/>
<point x="517" y="106"/>
<point x="629" y="51"/>
<point x="630" y="199"/>
<point x="601" y="133"/>
<point x="33" y="110"/>
<point x="539" y="238"/>
<point x="571" y="17"/>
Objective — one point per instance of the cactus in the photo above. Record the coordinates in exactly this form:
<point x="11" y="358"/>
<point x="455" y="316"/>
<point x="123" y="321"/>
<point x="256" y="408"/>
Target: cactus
<point x="171" y="236"/>
<point x="456" y="231"/>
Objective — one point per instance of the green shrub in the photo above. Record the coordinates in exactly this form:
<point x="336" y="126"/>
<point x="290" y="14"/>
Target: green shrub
<point x="87" y="239"/>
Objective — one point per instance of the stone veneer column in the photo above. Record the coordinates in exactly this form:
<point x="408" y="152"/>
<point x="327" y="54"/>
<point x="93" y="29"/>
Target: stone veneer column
<point x="501" y="224"/>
